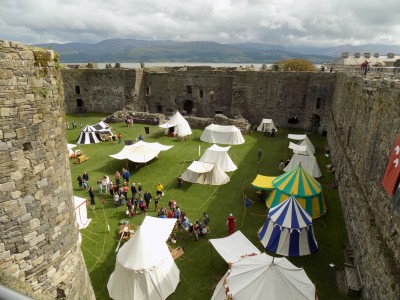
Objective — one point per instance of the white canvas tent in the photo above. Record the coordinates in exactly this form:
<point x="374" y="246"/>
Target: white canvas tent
<point x="234" y="247"/>
<point x="309" y="163"/>
<point x="81" y="212"/>
<point x="140" y="152"/>
<point x="266" y="125"/>
<point x="262" y="277"/>
<point x="88" y="135"/>
<point x="219" y="155"/>
<point x="309" y="150"/>
<point x="181" y="126"/>
<point x="144" y="267"/>
<point x="219" y="134"/>
<point x="103" y="128"/>
<point x="205" y="173"/>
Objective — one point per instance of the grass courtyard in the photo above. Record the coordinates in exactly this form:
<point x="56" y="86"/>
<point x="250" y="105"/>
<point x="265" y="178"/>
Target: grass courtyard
<point x="201" y="266"/>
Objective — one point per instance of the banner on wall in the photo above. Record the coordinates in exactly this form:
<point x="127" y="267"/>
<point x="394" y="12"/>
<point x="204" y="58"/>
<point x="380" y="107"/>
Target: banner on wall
<point x="390" y="179"/>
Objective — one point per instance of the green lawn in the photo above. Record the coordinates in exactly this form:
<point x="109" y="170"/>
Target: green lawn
<point x="201" y="266"/>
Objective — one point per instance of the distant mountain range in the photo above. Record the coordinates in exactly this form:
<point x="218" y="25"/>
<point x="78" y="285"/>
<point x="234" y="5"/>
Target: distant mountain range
<point x="132" y="50"/>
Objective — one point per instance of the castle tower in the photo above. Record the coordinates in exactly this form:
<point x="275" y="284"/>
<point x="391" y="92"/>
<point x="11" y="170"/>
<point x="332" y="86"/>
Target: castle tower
<point x="38" y="231"/>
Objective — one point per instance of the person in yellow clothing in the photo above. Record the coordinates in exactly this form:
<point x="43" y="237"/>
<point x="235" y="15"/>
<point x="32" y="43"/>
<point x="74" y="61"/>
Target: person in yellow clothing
<point x="159" y="188"/>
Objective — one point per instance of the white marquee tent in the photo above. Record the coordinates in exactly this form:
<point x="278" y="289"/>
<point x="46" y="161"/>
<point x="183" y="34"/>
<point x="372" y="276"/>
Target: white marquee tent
<point x="144" y="267"/>
<point x="305" y="142"/>
<point x="262" y="277"/>
<point x="140" y="152"/>
<point x="205" y="173"/>
<point x="219" y="134"/>
<point x="234" y="247"/>
<point x="309" y="163"/>
<point x="181" y="126"/>
<point x="219" y="155"/>
<point x="266" y="125"/>
<point x="88" y="135"/>
<point x="81" y="212"/>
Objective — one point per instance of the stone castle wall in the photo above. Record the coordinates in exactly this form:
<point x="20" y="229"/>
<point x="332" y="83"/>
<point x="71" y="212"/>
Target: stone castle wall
<point x="365" y="122"/>
<point x="38" y="231"/>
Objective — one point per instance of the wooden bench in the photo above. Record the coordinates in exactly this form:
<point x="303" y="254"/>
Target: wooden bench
<point x="353" y="280"/>
<point x="177" y="252"/>
<point x="81" y="159"/>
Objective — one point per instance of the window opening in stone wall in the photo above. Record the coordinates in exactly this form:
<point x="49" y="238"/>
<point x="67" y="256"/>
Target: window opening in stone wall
<point x="218" y="112"/>
<point x="159" y="109"/>
<point x="212" y="95"/>
<point x="148" y="91"/>
<point x="187" y="107"/>
<point x="189" y="89"/>
<point x="318" y="104"/>
<point x="348" y="136"/>
<point x="201" y="94"/>
<point x="77" y="89"/>
<point x="80" y="107"/>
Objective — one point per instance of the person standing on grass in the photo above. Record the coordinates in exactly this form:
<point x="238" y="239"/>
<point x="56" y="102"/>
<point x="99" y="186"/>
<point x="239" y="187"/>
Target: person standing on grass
<point x="80" y="181"/>
<point x="117" y="177"/>
<point x="119" y="136"/>
<point x="147" y="198"/>
<point x="91" y="195"/>
<point x="140" y="189"/>
<point x="134" y="191"/>
<point x="231" y="224"/>
<point x="159" y="189"/>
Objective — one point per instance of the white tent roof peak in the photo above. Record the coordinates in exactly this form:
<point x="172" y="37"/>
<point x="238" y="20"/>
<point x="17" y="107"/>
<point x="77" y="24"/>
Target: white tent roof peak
<point x="220" y="134"/>
<point x="180" y="124"/>
<point x="219" y="155"/>
<point x="140" y="152"/>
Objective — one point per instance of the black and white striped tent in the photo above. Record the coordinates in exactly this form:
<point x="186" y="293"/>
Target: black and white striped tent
<point x="88" y="136"/>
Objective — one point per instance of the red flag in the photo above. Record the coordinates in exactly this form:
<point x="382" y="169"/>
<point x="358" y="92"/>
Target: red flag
<point x="393" y="169"/>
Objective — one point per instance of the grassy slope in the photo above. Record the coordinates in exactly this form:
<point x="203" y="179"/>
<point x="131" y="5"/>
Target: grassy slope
<point x="201" y="266"/>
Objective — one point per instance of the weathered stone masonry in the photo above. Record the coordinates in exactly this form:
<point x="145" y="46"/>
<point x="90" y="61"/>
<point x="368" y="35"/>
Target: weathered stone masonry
<point x="38" y="231"/>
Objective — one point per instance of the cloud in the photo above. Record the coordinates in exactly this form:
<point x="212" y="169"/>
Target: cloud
<point x="285" y="22"/>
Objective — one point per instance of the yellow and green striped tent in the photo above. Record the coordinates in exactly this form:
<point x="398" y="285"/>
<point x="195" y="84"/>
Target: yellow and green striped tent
<point x="299" y="183"/>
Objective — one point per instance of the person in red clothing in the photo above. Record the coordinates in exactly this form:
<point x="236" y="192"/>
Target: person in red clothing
<point x="231" y="223"/>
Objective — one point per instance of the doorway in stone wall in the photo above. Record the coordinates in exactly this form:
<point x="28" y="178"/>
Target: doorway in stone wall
<point x="188" y="106"/>
<point x="80" y="106"/>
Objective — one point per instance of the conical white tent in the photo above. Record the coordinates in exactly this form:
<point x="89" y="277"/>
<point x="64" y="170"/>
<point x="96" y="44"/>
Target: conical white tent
<point x="205" y="173"/>
<point x="266" y="124"/>
<point x="219" y="134"/>
<point x="219" y="155"/>
<point x="144" y="267"/>
<point x="140" y="152"/>
<point x="88" y="135"/>
<point x="309" y="163"/>
<point x="180" y="124"/>
<point x="288" y="230"/>
<point x="309" y="150"/>
<point x="262" y="277"/>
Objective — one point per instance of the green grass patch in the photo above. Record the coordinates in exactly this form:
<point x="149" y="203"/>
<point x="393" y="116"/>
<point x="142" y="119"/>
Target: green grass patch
<point x="201" y="266"/>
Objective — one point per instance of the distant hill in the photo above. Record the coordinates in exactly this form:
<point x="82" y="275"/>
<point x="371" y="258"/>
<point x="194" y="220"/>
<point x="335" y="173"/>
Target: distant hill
<point x="133" y="50"/>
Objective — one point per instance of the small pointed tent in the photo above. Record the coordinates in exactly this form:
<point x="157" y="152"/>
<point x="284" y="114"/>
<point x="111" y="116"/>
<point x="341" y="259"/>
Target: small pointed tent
<point x="180" y="124"/>
<point x="288" y="230"/>
<point x="88" y="135"/>
<point x="299" y="183"/>
<point x="219" y="134"/>
<point x="266" y="125"/>
<point x="205" y="173"/>
<point x="144" y="267"/>
<point x="140" y="152"/>
<point x="309" y="163"/>
<point x="219" y="155"/>
<point x="262" y="277"/>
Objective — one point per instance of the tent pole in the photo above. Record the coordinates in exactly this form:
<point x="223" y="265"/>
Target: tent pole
<point x="212" y="259"/>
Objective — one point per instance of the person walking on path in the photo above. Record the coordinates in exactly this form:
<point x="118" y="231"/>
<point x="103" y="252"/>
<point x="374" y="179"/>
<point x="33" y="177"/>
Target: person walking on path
<point x="231" y="224"/>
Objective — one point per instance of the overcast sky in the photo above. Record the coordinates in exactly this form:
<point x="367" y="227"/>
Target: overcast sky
<point x="284" y="22"/>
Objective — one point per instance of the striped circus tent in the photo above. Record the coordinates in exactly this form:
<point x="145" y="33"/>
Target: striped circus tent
<point x="299" y="183"/>
<point x="88" y="135"/>
<point x="288" y="230"/>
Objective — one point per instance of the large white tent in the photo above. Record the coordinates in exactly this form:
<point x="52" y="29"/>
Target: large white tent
<point x="180" y="125"/>
<point x="219" y="134"/>
<point x="88" y="135"/>
<point x="305" y="142"/>
<point x="205" y="173"/>
<point x="309" y="163"/>
<point x="219" y="155"/>
<point x="144" y="267"/>
<point x="81" y="212"/>
<point x="262" y="277"/>
<point x="140" y="152"/>
<point x="266" y="125"/>
<point x="234" y="247"/>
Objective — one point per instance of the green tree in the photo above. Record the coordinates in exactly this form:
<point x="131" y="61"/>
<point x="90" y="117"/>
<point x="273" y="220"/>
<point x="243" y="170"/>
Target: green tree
<point x="397" y="63"/>
<point x="295" y="64"/>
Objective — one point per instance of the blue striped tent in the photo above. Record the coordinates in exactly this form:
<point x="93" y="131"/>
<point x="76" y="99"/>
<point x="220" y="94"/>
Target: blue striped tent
<point x="288" y="230"/>
<point x="299" y="183"/>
